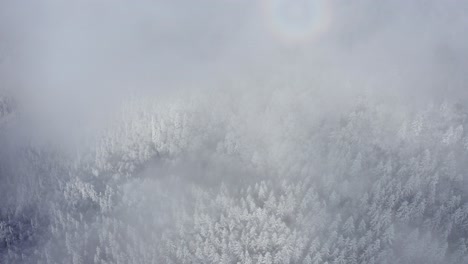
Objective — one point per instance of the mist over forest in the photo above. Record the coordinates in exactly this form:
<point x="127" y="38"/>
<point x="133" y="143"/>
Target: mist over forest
<point x="234" y="131"/>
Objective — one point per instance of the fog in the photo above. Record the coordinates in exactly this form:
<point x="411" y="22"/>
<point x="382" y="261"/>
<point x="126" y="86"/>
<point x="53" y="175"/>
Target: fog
<point x="233" y="131"/>
<point x="79" y="54"/>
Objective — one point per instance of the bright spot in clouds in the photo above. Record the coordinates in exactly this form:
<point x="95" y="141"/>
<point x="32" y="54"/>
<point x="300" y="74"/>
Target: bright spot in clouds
<point x="295" y="21"/>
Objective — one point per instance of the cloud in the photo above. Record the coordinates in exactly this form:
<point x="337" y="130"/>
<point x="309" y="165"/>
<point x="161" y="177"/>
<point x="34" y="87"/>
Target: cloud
<point x="222" y="91"/>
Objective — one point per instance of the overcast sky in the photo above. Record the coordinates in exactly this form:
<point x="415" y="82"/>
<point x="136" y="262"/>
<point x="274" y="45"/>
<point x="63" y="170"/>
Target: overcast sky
<point x="84" y="54"/>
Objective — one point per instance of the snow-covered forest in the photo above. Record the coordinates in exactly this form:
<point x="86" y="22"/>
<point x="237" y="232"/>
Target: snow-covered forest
<point x="186" y="183"/>
<point x="318" y="159"/>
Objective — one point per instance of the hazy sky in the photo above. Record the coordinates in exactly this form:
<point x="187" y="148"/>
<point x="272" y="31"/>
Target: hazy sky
<point x="82" y="55"/>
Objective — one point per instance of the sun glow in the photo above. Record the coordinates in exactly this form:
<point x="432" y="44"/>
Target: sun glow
<point x="296" y="21"/>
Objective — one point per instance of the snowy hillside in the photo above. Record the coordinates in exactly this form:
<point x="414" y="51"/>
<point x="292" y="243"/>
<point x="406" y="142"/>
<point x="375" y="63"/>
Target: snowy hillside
<point x="247" y="131"/>
<point x="190" y="183"/>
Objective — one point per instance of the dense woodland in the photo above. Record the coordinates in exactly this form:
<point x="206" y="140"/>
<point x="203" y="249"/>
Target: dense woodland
<point x="210" y="179"/>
